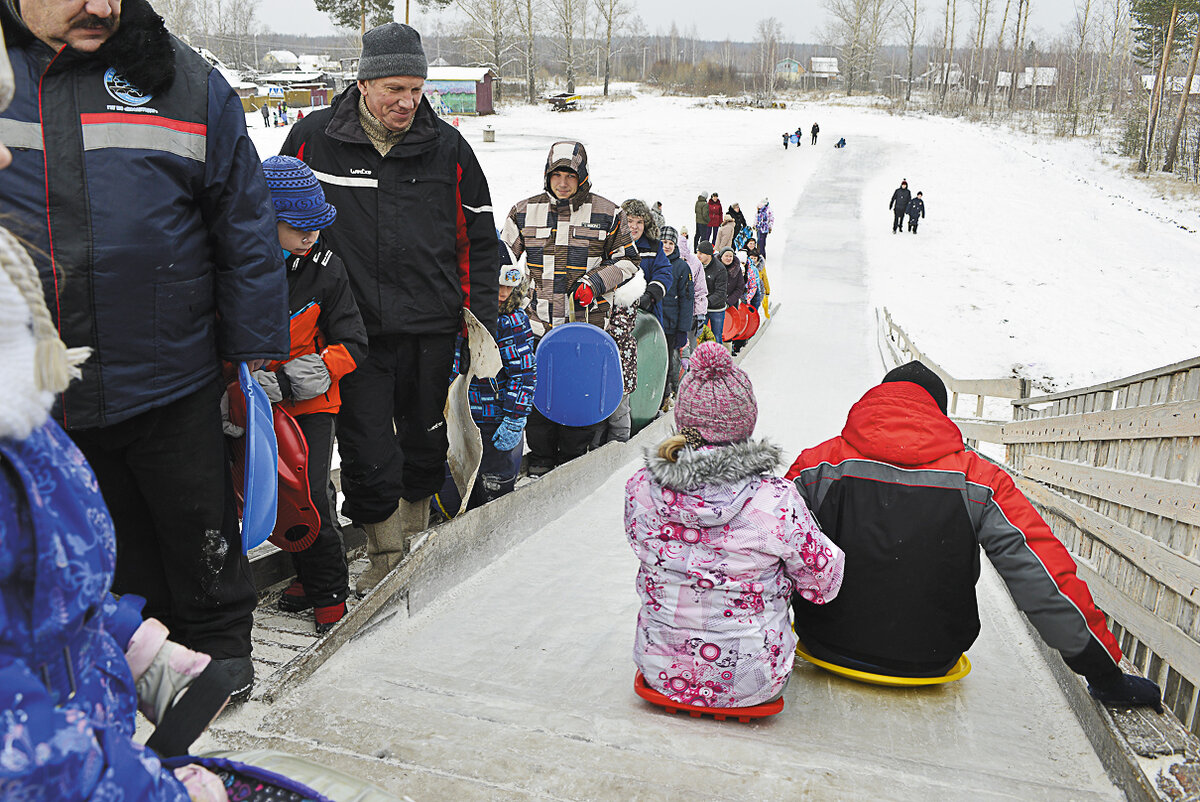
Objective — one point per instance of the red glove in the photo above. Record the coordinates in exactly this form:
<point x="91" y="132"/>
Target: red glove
<point x="584" y="294"/>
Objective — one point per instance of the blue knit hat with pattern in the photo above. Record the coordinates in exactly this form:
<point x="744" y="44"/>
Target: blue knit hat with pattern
<point x="298" y="197"/>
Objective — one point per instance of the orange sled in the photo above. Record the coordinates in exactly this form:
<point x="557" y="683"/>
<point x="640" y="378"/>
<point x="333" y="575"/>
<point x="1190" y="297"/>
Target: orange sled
<point x="742" y="714"/>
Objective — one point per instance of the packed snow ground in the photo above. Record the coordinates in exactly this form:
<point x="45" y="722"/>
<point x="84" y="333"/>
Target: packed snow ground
<point x="1037" y="258"/>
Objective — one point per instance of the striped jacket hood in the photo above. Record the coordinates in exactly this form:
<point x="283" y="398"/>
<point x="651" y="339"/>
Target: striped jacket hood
<point x="571" y="156"/>
<point x="900" y="423"/>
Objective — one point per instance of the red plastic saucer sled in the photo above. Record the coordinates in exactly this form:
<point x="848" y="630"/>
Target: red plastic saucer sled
<point x="742" y="714"/>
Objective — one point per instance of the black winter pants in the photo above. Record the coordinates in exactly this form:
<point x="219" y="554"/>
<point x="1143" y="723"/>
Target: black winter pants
<point x="321" y="568"/>
<point x="391" y="428"/>
<point x="898" y="220"/>
<point x="912" y="224"/>
<point x="166" y="480"/>
<point x="551" y="444"/>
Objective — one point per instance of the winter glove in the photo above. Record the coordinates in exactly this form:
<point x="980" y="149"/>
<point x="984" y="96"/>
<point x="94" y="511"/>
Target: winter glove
<point x="304" y="377"/>
<point x="653" y="294"/>
<point x="270" y="384"/>
<point x="698" y="322"/>
<point x="201" y="784"/>
<point x="508" y="434"/>
<point x="229" y="427"/>
<point x="584" y="295"/>
<point x="1128" y="690"/>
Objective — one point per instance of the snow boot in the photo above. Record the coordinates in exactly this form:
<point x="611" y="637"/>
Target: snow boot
<point x="328" y="616"/>
<point x="414" y="519"/>
<point x="294" y="599"/>
<point x="385" y="548"/>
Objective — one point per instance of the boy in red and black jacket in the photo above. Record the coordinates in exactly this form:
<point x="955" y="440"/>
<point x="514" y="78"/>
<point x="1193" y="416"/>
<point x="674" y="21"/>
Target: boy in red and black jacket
<point x="328" y="340"/>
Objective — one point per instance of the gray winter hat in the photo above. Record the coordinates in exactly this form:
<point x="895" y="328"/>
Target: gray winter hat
<point x="392" y="49"/>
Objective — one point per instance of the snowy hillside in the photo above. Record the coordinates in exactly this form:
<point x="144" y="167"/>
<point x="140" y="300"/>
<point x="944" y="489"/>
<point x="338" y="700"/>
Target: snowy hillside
<point x="1035" y="257"/>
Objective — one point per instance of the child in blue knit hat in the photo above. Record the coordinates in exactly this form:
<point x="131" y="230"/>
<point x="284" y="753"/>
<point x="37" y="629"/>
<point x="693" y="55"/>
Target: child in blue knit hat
<point x="328" y="341"/>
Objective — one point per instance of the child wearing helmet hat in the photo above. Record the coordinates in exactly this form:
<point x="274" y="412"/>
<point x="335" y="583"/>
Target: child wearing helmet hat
<point x="723" y="543"/>
<point x="328" y="341"/>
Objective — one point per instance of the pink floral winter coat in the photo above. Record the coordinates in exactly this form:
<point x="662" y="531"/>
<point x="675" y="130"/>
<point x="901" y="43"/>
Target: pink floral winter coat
<point x="723" y="545"/>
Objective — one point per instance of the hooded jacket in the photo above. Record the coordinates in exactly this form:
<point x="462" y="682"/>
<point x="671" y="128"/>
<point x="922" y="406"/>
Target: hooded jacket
<point x="678" y="302"/>
<point x="714" y="213"/>
<point x="735" y="286"/>
<point x="723" y="545"/>
<point x="565" y="241"/>
<point x="900" y="199"/>
<point x="764" y="219"/>
<point x="414" y="227"/>
<point x="701" y="210"/>
<point x="153" y="230"/>
<point x="656" y="267"/>
<point x="910" y="506"/>
<point x="725" y="234"/>
<point x="916" y="208"/>
<point x="509" y="394"/>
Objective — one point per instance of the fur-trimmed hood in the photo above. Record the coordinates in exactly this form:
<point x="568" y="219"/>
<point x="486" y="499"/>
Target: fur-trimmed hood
<point x="638" y="208"/>
<point x="141" y="51"/>
<point x="516" y="300"/>
<point x="721" y="465"/>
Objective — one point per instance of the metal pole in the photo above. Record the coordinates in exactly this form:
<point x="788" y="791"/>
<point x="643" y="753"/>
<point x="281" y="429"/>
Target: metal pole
<point x="406" y="4"/>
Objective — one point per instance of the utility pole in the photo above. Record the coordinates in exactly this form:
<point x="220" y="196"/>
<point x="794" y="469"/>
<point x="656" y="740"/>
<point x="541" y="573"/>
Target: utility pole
<point x="406" y="4"/>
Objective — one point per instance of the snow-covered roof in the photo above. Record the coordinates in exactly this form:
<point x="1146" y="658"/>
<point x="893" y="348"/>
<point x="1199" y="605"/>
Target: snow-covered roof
<point x="457" y="73"/>
<point x="1174" y="84"/>
<point x="231" y="76"/>
<point x="291" y="77"/>
<point x="824" y="65"/>
<point x="1032" y="76"/>
<point x="282" y="57"/>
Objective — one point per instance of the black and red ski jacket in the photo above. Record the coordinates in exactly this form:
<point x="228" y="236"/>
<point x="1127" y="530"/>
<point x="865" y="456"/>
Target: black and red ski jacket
<point x="910" y="506"/>
<point x="414" y="227"/>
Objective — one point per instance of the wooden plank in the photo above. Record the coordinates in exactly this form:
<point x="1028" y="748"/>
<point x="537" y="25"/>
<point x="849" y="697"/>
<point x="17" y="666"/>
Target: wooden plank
<point x="987" y="431"/>
<point x="1115" y="384"/>
<point x="1162" y="564"/>
<point x="1177" y="419"/>
<point x="996" y="388"/>
<point x="1167" y="641"/>
<point x="1175" y="500"/>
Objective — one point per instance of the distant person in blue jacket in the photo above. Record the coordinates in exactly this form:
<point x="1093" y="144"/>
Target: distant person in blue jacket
<point x="656" y="268"/>
<point x="916" y="210"/>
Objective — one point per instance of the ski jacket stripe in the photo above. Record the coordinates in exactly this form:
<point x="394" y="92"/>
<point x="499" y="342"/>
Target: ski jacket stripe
<point x="16" y="134"/>
<point x="139" y="132"/>
<point x="346" y="181"/>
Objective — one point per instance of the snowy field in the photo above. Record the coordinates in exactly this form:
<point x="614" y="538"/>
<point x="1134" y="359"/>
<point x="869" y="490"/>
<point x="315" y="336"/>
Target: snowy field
<point x="1037" y="257"/>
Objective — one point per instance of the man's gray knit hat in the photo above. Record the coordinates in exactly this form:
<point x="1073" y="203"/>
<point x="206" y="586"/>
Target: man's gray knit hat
<point x="392" y="49"/>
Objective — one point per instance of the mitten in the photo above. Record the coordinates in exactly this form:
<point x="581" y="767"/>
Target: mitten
<point x="508" y="434"/>
<point x="229" y="427"/>
<point x="646" y="302"/>
<point x="270" y="384"/>
<point x="584" y="295"/>
<point x="201" y="784"/>
<point x="1127" y="690"/>
<point x="304" y="377"/>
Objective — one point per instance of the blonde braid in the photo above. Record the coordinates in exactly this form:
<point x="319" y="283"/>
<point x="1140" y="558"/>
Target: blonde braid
<point x="54" y="364"/>
<point x="669" y="449"/>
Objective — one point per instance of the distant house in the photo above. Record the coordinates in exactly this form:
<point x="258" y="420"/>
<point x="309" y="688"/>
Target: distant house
<point x="1032" y="77"/>
<point x="789" y="69"/>
<point x="280" y="60"/>
<point x="1174" y="84"/>
<point x="951" y="73"/>
<point x="823" y="68"/>
<point x="461" y="90"/>
<point x="235" y="80"/>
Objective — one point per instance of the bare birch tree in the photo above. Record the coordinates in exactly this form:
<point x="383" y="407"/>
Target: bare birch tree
<point x="910" y="23"/>
<point x="613" y="15"/>
<point x="857" y="28"/>
<point x="1082" y="18"/>
<point x="768" y="38"/>
<point x="1173" y="143"/>
<point x="489" y="32"/>
<point x="564" y="18"/>
<point x="527" y="14"/>
<point x="1160" y="80"/>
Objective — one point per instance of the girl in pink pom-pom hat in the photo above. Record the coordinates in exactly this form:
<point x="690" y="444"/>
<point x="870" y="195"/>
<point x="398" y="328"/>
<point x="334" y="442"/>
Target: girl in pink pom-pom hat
<point x="723" y="543"/>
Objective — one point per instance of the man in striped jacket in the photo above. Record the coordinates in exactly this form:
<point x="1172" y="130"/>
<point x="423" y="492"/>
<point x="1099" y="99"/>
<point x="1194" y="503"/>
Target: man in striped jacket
<point x="910" y="506"/>
<point x="578" y="250"/>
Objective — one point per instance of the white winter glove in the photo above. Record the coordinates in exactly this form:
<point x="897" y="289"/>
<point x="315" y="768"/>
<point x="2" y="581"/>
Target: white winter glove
<point x="270" y="384"/>
<point x="229" y="427"/>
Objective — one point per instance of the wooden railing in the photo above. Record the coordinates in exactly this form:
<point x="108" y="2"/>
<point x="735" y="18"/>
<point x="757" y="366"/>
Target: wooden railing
<point x="897" y="347"/>
<point x="1114" y="468"/>
<point x="1115" y="471"/>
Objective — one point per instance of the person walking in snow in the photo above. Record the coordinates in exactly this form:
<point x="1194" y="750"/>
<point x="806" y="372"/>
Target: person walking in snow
<point x="799" y="135"/>
<point x="702" y="231"/>
<point x="786" y="138"/>
<point x="715" y="217"/>
<point x="710" y="522"/>
<point x="816" y="129"/>
<point x="385" y="156"/>
<point x="764" y="223"/>
<point x="328" y="341"/>
<point x="911" y="506"/>
<point x="916" y="210"/>
<point x="899" y="205"/>
<point x="266" y="115"/>
<point x="579" y="251"/>
<point x="173" y="265"/>
<point x="677" y="308"/>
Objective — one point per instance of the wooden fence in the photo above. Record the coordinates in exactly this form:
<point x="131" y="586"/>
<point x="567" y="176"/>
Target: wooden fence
<point x="1115" y="470"/>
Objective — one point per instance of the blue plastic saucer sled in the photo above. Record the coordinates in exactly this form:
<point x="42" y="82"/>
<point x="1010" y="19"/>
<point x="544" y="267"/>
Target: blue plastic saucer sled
<point x="578" y="375"/>
<point x="261" y="486"/>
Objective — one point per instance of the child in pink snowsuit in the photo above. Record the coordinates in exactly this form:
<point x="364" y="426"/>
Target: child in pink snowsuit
<point x="723" y="542"/>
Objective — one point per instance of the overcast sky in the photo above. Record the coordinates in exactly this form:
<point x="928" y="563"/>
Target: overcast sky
<point x="713" y="19"/>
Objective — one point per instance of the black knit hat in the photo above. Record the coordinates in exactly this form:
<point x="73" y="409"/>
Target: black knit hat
<point x="705" y="247"/>
<point x="916" y="373"/>
<point x="392" y="49"/>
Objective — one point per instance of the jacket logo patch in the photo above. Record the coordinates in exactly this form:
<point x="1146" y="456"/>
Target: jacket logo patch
<point x="359" y="171"/>
<point x="123" y="91"/>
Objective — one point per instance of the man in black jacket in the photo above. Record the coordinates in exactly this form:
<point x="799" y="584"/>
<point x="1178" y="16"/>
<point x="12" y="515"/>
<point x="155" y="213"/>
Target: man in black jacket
<point x="415" y="230"/>
<point x="154" y="235"/>
<point x="899" y="204"/>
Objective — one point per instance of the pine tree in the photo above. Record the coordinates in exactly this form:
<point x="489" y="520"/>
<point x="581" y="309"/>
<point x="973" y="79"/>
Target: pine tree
<point x="361" y="14"/>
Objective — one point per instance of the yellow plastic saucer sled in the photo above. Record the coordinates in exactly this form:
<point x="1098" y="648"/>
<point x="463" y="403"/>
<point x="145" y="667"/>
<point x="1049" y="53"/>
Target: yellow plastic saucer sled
<point x="960" y="670"/>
